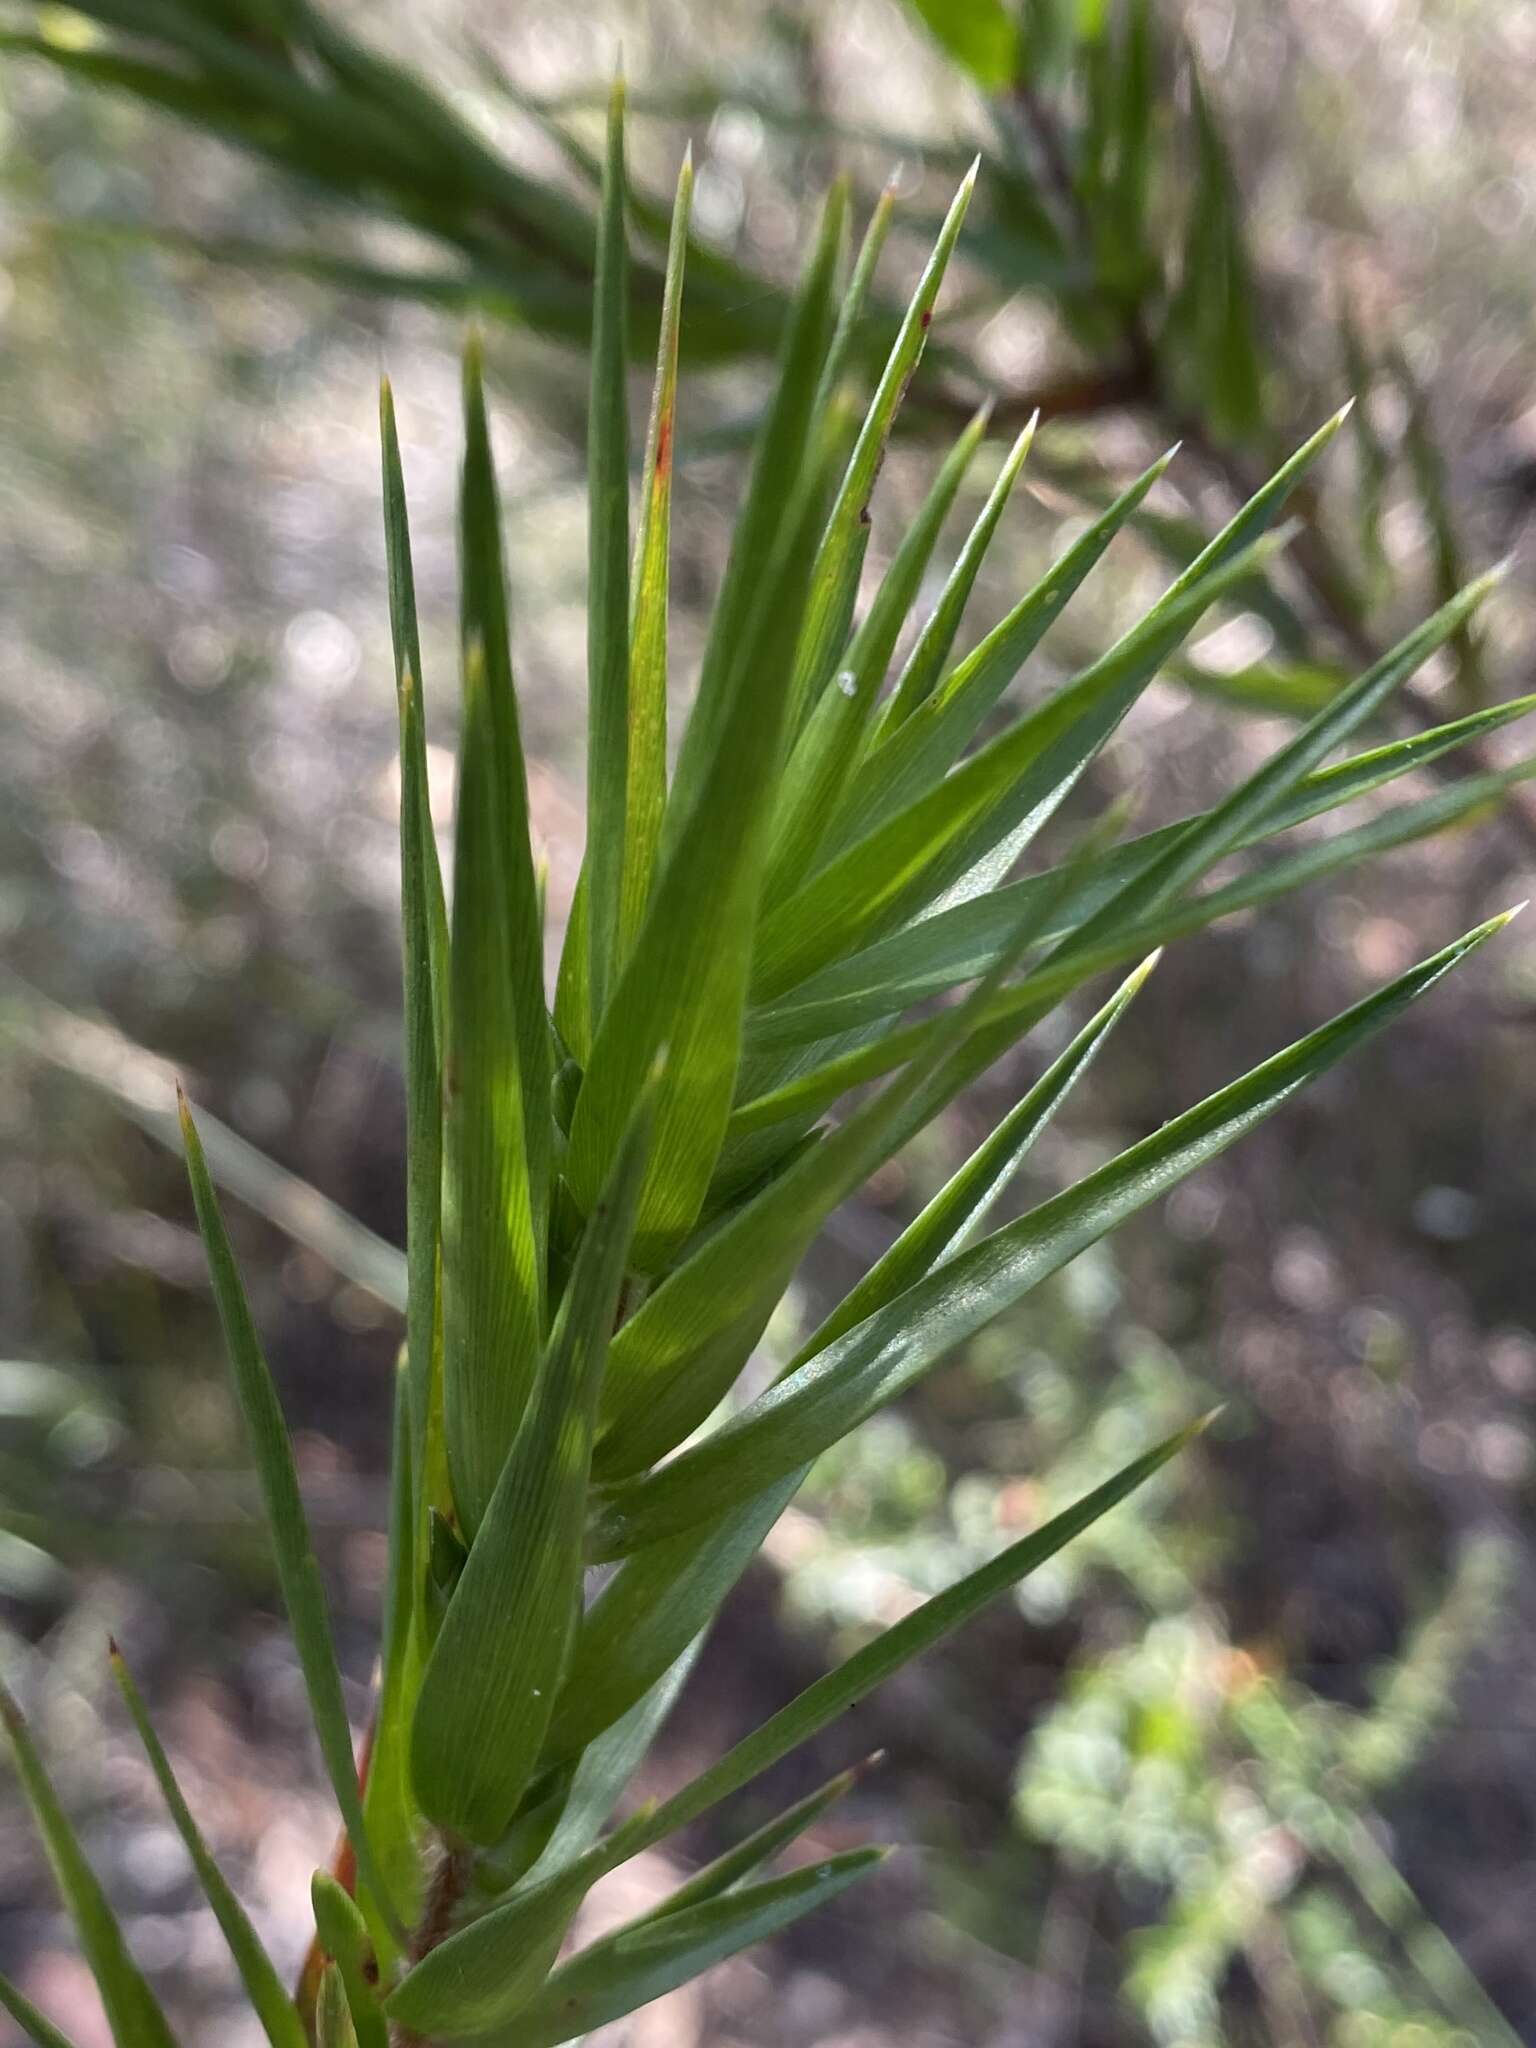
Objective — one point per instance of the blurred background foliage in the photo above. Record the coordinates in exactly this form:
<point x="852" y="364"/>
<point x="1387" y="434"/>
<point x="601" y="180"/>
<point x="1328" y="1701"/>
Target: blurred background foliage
<point x="1269" y="1729"/>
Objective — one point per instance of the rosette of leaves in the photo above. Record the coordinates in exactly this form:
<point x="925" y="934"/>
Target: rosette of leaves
<point x="791" y="948"/>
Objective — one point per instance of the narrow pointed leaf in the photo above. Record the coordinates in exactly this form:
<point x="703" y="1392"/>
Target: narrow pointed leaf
<point x="678" y="1356"/>
<point x="38" y="2029"/>
<point x="486" y="627"/>
<point x="910" y="752"/>
<point x="755" y="1849"/>
<point x="947" y="1223"/>
<point x="959" y="943"/>
<point x="834" y="735"/>
<point x="875" y="641"/>
<point x="492" y="1280"/>
<point x="841" y="349"/>
<point x="390" y="1812"/>
<point x="920" y="677"/>
<point x="819" y="1402"/>
<point x="344" y="1937"/>
<point x="133" y="2012"/>
<point x="465" y="1983"/>
<point x="297" y="1570"/>
<point x="496" y="1068"/>
<point x="608" y="572"/>
<point x="685" y="984"/>
<point x="1007" y="790"/>
<point x="650" y="1957"/>
<point x="646" y="793"/>
<point x="1256" y="801"/>
<point x="658" y="1603"/>
<point x="778" y="465"/>
<point x="606" y="1766"/>
<point x="424" y="945"/>
<point x="333" y="2017"/>
<point x="275" y="2010"/>
<point x="847" y="525"/>
<point x="496" y="1667"/>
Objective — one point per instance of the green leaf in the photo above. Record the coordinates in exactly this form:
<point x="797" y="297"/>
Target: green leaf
<point x="959" y="943"/>
<point x="389" y="1805"/>
<point x="1257" y="800"/>
<point x="925" y="664"/>
<point x="424" y="936"/>
<point x="496" y="1072"/>
<point x="276" y="2011"/>
<point x="649" y="1957"/>
<point x="834" y="734"/>
<point x="646" y="793"/>
<point x="912" y="751"/>
<point x="40" y="2031"/>
<point x="841" y="349"/>
<point x="947" y="1223"/>
<point x="480" y="1975"/>
<point x="297" y="1571"/>
<point x="821" y="1400"/>
<point x="333" y="2017"/>
<point x="1000" y="795"/>
<point x="980" y="35"/>
<point x="440" y="1997"/>
<point x="1015" y="1009"/>
<point x="133" y="2012"/>
<point x="496" y="1667"/>
<point x="728" y="1870"/>
<point x="608" y="573"/>
<point x="656" y="1605"/>
<point x="344" y="1937"/>
<point x="678" y="1356"/>
<point x="573" y="993"/>
<point x="778" y="468"/>
<point x="607" y="1764"/>
<point x="485" y="626"/>
<point x="685" y="984"/>
<point x="492" y="1265"/>
<point x="833" y="577"/>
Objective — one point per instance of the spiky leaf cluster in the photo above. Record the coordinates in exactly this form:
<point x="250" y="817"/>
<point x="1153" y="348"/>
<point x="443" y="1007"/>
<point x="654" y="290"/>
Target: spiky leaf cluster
<point x="610" y="1191"/>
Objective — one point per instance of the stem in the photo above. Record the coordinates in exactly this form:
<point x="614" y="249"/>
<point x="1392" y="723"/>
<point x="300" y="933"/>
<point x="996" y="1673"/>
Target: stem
<point x="446" y="1889"/>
